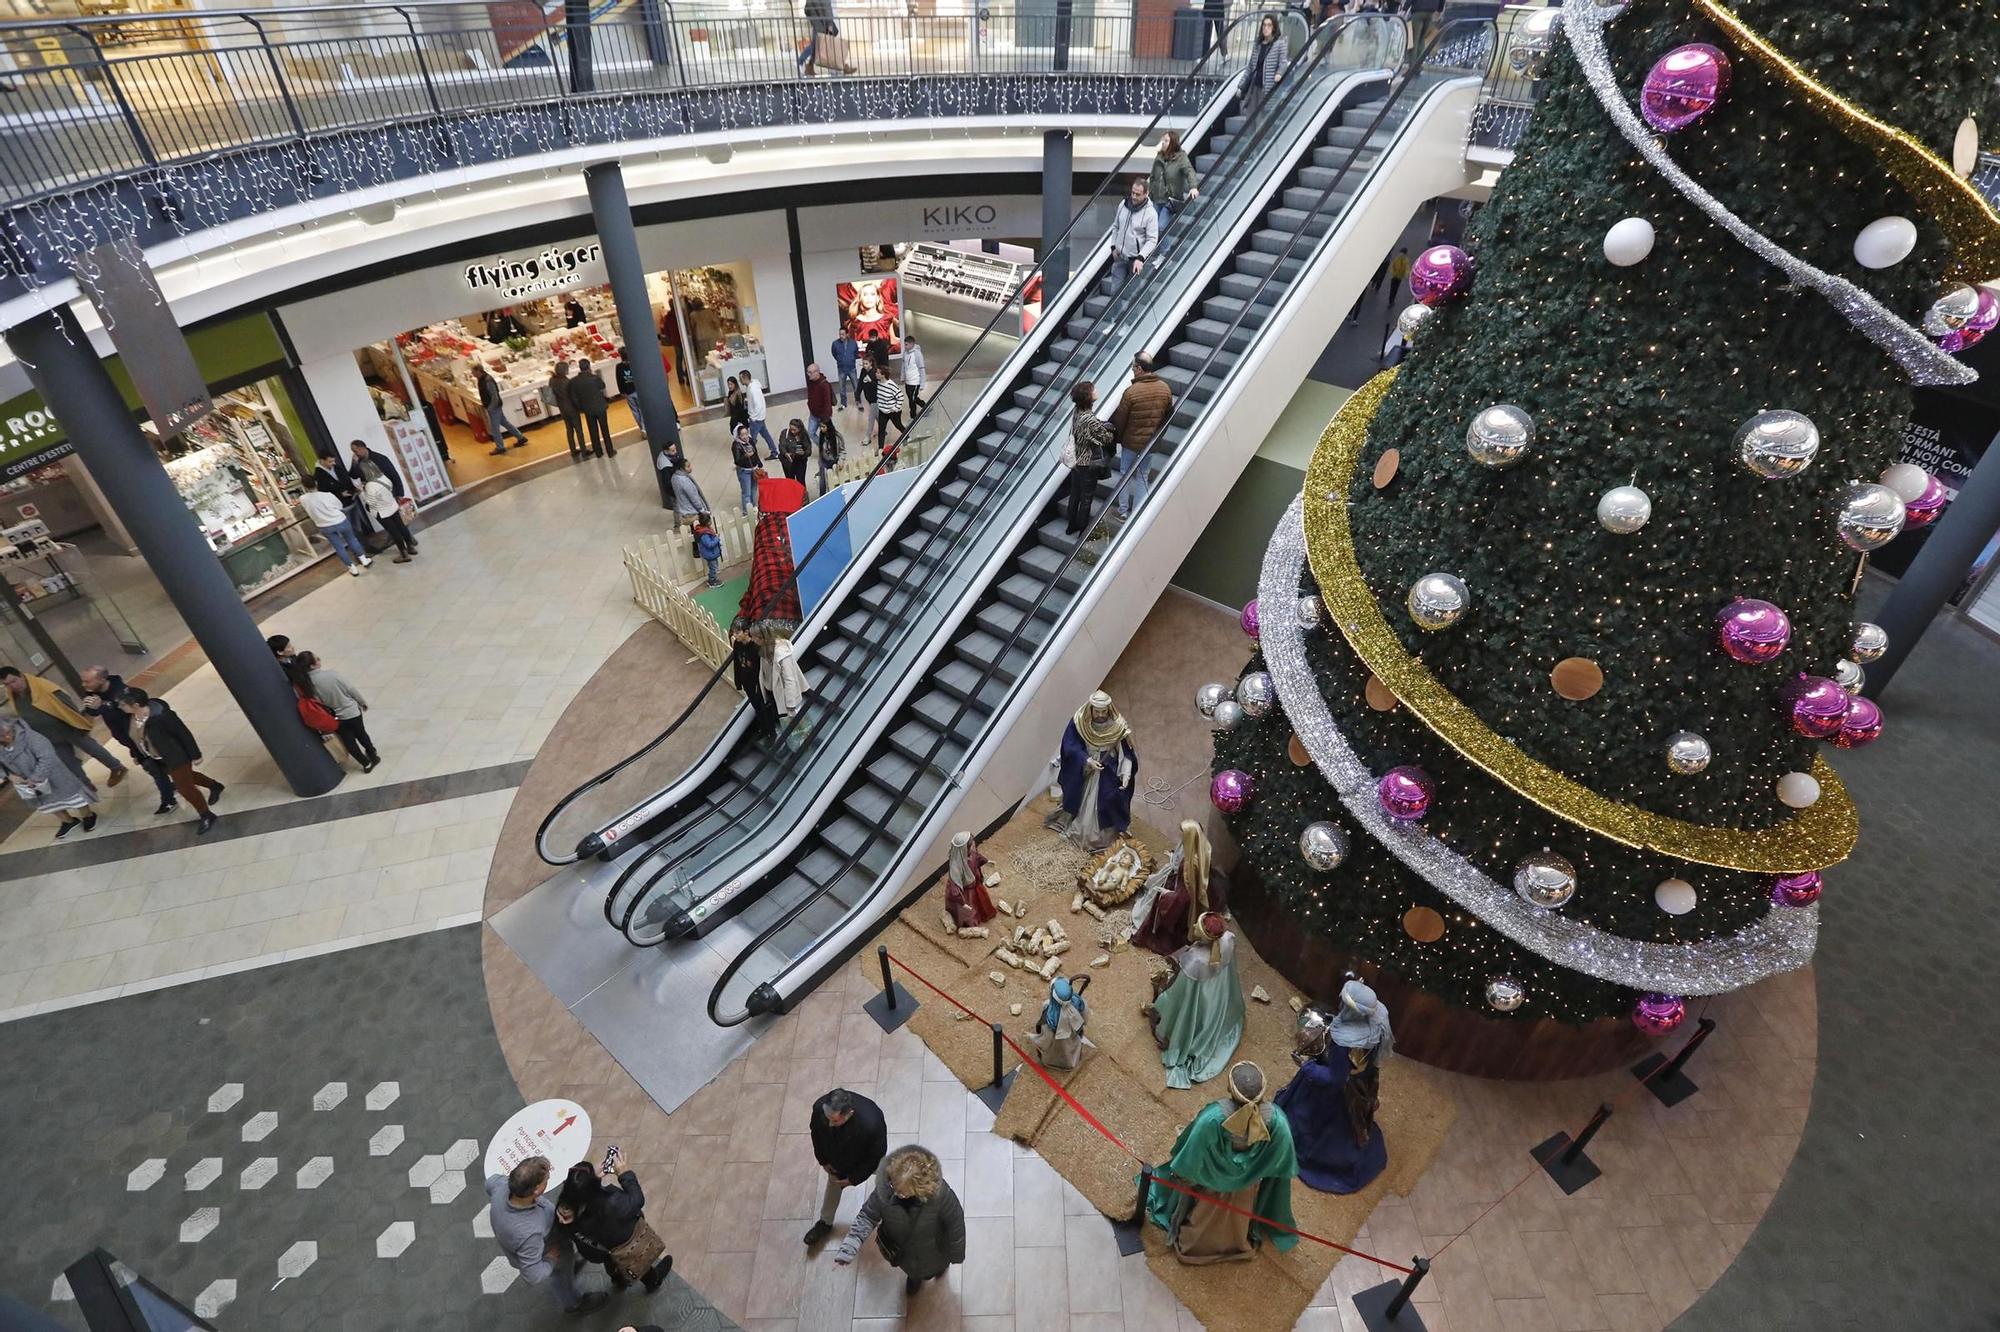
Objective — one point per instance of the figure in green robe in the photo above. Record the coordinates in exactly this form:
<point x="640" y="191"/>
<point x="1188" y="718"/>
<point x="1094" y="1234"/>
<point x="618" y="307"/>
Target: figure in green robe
<point x="1198" y="1020"/>
<point x="1237" y="1151"/>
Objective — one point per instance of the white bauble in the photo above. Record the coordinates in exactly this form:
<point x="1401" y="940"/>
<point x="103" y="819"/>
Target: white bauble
<point x="1798" y="789"/>
<point x="1885" y="242"/>
<point x="1906" y="479"/>
<point x="1629" y="241"/>
<point x="1676" y="897"/>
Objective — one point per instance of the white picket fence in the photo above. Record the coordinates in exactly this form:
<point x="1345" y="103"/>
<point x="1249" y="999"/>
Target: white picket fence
<point x="657" y="590"/>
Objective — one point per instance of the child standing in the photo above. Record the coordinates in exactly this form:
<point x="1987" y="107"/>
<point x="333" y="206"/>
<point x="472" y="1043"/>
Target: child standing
<point x="708" y="547"/>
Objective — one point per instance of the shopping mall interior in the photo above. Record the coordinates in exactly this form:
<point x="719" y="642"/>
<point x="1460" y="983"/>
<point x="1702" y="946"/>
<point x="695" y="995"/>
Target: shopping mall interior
<point x="1097" y="666"/>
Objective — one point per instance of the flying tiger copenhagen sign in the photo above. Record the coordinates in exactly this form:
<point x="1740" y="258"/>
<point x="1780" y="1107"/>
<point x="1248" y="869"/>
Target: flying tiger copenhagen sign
<point x="517" y="278"/>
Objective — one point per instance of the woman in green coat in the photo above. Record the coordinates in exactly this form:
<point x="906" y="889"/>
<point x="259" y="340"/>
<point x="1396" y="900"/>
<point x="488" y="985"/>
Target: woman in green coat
<point x="1173" y="183"/>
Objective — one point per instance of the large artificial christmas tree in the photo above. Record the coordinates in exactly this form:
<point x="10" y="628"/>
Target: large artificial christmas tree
<point x="1587" y="564"/>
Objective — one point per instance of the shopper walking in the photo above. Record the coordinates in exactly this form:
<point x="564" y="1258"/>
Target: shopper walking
<point x="524" y="1226"/>
<point x="746" y="665"/>
<point x="388" y="511"/>
<point x="914" y="1216"/>
<point x="498" y="427"/>
<point x="43" y="780"/>
<point x="1142" y="410"/>
<point x="831" y="450"/>
<point x="628" y="389"/>
<point x="44" y="708"/>
<point x="1087" y="454"/>
<point x="328" y="515"/>
<point x="1266" y="65"/>
<point x="849" y="1139"/>
<point x="604" y="1212"/>
<point x="1135" y="233"/>
<point x="1395" y="271"/>
<point x="688" y="499"/>
<point x="563" y="396"/>
<point x="819" y="398"/>
<point x="101" y="692"/>
<point x="343" y="700"/>
<point x="754" y="405"/>
<point x="913" y="374"/>
<point x="708" y="547"/>
<point x="846" y="362"/>
<point x="749" y="467"/>
<point x="888" y="411"/>
<point x="1172" y="185"/>
<point x="160" y="734"/>
<point x="795" y="450"/>
<point x="738" y="405"/>
<point x="588" y="390"/>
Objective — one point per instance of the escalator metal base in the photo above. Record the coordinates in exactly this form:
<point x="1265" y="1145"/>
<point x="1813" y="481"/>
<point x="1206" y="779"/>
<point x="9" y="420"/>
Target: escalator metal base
<point x="891" y="1015"/>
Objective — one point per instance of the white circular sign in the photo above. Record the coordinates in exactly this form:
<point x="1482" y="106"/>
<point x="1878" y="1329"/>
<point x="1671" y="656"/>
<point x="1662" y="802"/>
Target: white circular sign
<point x="559" y="1130"/>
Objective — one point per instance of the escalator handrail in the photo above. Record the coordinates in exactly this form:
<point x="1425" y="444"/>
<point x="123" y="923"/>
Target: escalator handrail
<point x="877" y="827"/>
<point x="1171" y="103"/>
<point x="1129" y="295"/>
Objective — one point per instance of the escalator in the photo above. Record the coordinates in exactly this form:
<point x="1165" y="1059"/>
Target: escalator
<point x="775" y="854"/>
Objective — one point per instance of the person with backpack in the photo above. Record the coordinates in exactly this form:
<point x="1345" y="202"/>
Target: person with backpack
<point x="795" y="449"/>
<point x="831" y="451"/>
<point x="332" y="691"/>
<point x="708" y="547"/>
<point x="749" y="467"/>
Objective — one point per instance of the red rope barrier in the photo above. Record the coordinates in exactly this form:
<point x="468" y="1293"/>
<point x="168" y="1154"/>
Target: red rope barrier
<point x="1093" y="1121"/>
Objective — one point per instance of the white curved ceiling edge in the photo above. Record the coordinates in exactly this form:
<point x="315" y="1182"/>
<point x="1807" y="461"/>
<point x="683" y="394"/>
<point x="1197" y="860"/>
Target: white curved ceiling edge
<point x="230" y="267"/>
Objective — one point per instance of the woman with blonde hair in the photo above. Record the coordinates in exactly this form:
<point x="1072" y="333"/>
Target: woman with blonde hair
<point x="914" y="1216"/>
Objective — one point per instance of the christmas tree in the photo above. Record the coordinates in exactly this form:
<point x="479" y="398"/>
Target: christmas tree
<point x="1565" y="612"/>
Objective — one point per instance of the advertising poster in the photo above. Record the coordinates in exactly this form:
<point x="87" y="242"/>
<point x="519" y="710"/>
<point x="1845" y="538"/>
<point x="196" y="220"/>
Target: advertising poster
<point x="872" y="307"/>
<point x="1947" y="436"/>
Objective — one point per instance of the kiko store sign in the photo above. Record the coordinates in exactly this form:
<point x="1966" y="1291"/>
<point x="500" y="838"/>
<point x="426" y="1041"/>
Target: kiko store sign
<point x="522" y="277"/>
<point x="964" y="219"/>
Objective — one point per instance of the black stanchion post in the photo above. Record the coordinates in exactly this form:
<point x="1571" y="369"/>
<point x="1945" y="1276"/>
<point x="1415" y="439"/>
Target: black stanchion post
<point x="1664" y="1078"/>
<point x="1386" y="1308"/>
<point x="995" y="1092"/>
<point x="894" y="1006"/>
<point x="1130" y="1234"/>
<point x="1563" y="1157"/>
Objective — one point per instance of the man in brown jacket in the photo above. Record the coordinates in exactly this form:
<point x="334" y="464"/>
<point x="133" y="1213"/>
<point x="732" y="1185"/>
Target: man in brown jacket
<point x="1142" y="409"/>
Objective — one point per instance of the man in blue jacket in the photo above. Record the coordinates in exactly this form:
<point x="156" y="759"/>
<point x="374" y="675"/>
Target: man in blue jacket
<point x="846" y="358"/>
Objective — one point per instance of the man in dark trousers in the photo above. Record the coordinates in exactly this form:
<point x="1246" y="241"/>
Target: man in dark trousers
<point x="159" y="733"/>
<point x="101" y="692"/>
<point x="367" y="465"/>
<point x="850" y="1138"/>
<point x="587" y="390"/>
<point x="332" y="475"/>
<point x="1142" y="409"/>
<point x="561" y="394"/>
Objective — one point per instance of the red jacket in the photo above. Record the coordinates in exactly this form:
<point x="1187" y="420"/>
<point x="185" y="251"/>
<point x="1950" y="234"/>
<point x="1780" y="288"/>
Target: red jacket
<point x="819" y="397"/>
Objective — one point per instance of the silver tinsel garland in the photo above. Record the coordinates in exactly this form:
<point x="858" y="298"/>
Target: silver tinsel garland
<point x="1782" y="940"/>
<point x="1924" y="362"/>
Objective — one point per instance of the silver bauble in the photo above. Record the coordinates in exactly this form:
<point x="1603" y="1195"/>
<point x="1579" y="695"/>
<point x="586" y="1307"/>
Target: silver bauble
<point x="1504" y="994"/>
<point x="1323" y="845"/>
<point x="1437" y="601"/>
<point x="1257" y="694"/>
<point x="1868" y="516"/>
<point x="1867" y="642"/>
<point x="1309" y="612"/>
<point x="1775" y="444"/>
<point x="1500" y="436"/>
<point x="1687" y="753"/>
<point x="1952" y="312"/>
<point x="1412" y="319"/>
<point x="1545" y="879"/>
<point x="1227" y="714"/>
<point x="1849" y="675"/>
<point x="1211" y="696"/>
<point x="1624" y="509"/>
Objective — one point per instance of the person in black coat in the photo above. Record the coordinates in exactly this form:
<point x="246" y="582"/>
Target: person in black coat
<point x="562" y="392"/>
<point x="603" y="1211"/>
<point x="159" y="733"/>
<point x="574" y="315"/>
<point x="587" y="392"/>
<point x="332" y="475"/>
<point x="849" y="1138"/>
<point x="747" y="666"/>
<point x="367" y="465"/>
<point x="101" y="692"/>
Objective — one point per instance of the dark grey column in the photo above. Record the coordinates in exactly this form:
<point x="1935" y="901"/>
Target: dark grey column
<point x="576" y="27"/>
<point x="73" y="383"/>
<point x="612" y="212"/>
<point x="1058" y="171"/>
<point x="1939" y="568"/>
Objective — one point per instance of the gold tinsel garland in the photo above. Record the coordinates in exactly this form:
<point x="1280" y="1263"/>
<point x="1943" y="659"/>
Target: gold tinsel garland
<point x="1968" y="220"/>
<point x="1817" y="837"/>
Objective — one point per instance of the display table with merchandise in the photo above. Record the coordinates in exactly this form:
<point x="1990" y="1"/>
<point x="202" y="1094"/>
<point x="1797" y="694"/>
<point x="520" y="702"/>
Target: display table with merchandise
<point x="443" y="359"/>
<point x="241" y="487"/>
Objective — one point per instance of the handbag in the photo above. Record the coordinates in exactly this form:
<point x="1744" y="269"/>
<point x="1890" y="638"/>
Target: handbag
<point x="636" y="1256"/>
<point x="317" y="716"/>
<point x="831" y="53"/>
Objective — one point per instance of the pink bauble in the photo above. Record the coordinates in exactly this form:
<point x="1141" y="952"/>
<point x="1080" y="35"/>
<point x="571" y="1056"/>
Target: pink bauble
<point x="1683" y="86"/>
<point x="1230" y="790"/>
<point x="1405" y="793"/>
<point x="1248" y="619"/>
<point x="1658" y="1014"/>
<point x="1861" y="725"/>
<point x="1441" y="273"/>
<point x="1752" y="631"/>
<point x="1817" y="706"/>
<point x="1985" y="317"/>
<point x="1925" y="508"/>
<point x="1796" y="890"/>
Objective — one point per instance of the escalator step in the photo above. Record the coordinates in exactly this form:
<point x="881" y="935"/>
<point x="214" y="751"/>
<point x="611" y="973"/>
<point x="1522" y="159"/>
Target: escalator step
<point x="1043" y="563"/>
<point x="893" y="771"/>
<point x="1318" y="176"/>
<point x="991" y="442"/>
<point x="1001" y="620"/>
<point x="1026" y="592"/>
<point x="871" y="804"/>
<point x="1256" y="263"/>
<point x="1211" y="332"/>
<point x="971" y="680"/>
<point x="945" y="713"/>
<point x="981" y="647"/>
<point x="1297" y="219"/>
<point x="1307" y="199"/>
<point x="1195" y="357"/>
<point x="1332" y="159"/>
<point x="822" y="865"/>
<point x="914" y="739"/>
<point x="846" y="836"/>
<point x="1244" y="287"/>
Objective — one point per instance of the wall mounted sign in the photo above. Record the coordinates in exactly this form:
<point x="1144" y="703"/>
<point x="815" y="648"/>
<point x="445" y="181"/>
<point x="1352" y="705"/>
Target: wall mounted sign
<point x="516" y="278"/>
<point x="958" y="220"/>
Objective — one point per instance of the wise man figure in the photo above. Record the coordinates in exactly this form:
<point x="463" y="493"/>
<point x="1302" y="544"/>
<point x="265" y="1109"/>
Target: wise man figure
<point x="1094" y="773"/>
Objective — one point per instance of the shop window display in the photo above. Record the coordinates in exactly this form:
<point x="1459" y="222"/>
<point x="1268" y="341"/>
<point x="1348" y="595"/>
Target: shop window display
<point x="718" y="316"/>
<point x="238" y="472"/>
